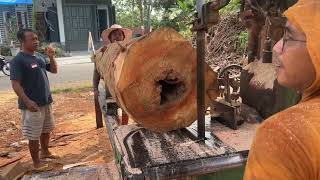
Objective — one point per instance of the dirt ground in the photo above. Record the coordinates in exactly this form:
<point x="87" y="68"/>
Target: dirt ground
<point x="74" y="139"/>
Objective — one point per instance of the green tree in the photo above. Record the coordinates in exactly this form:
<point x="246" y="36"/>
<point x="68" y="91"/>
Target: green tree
<point x="155" y="13"/>
<point x="232" y="7"/>
<point x="12" y="29"/>
<point x="177" y="14"/>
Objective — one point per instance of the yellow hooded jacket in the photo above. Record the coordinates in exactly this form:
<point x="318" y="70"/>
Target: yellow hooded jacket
<point x="287" y="145"/>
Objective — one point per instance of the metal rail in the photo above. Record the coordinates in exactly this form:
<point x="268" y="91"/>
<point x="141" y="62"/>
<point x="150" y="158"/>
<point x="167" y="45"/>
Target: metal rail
<point x="201" y="50"/>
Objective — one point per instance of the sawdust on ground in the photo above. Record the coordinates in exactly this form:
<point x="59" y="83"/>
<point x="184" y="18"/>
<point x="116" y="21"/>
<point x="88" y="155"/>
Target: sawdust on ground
<point x="75" y="138"/>
<point x="264" y="74"/>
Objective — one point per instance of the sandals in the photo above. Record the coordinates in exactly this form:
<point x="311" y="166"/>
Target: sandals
<point x="42" y="168"/>
<point x="50" y="156"/>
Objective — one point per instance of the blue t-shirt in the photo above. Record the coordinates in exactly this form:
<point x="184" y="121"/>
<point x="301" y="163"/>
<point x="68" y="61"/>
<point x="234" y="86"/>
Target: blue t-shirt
<point x="30" y="70"/>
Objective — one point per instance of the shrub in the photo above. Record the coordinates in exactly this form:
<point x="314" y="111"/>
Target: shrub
<point x="59" y="48"/>
<point x="5" y="51"/>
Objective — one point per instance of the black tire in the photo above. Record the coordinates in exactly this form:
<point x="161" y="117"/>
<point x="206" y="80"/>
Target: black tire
<point x="6" y="69"/>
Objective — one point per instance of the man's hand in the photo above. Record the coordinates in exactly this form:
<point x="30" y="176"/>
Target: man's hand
<point x="50" y="51"/>
<point x="32" y="106"/>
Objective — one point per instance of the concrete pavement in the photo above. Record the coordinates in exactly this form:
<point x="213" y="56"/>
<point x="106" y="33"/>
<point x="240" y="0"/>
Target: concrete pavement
<point x="71" y="69"/>
<point x="74" y="60"/>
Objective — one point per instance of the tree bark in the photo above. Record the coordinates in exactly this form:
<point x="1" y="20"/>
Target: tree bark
<point x="153" y="79"/>
<point x="141" y="2"/>
<point x="148" y="22"/>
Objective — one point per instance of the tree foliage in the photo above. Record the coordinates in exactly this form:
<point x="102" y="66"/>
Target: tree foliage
<point x="177" y="14"/>
<point x="12" y="29"/>
<point x="233" y="6"/>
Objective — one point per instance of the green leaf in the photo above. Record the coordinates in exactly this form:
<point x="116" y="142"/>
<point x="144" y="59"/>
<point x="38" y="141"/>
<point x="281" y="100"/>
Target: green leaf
<point x="183" y="5"/>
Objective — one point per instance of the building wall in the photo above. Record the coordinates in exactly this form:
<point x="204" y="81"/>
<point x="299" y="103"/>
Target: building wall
<point x="41" y="6"/>
<point x="12" y="10"/>
<point x="4" y="8"/>
<point x="81" y="42"/>
<point x="92" y="2"/>
<point x="29" y="8"/>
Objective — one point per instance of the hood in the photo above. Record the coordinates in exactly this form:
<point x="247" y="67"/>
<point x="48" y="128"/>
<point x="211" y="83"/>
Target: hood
<point x="305" y="15"/>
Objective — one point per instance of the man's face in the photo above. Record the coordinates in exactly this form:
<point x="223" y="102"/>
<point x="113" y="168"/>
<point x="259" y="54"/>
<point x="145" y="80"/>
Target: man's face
<point x="31" y="41"/>
<point x="116" y="35"/>
<point x="294" y="68"/>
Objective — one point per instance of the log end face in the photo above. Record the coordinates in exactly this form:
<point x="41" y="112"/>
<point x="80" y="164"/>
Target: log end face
<point x="155" y="80"/>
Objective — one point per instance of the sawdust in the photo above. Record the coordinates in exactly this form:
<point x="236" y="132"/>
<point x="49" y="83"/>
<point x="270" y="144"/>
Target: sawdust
<point x="264" y="74"/>
<point x="156" y="149"/>
<point x="10" y="119"/>
<point x="66" y="106"/>
<point x="240" y="139"/>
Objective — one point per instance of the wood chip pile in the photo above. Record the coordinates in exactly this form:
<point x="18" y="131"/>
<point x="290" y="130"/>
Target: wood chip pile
<point x="224" y="46"/>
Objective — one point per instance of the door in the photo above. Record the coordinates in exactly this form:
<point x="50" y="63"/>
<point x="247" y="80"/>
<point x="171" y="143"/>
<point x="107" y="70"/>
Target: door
<point x="103" y="20"/>
<point x="78" y="20"/>
<point x="53" y="27"/>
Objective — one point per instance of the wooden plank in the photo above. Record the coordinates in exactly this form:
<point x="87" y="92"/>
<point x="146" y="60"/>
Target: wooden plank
<point x="12" y="171"/>
<point x="4" y="161"/>
<point x="61" y="135"/>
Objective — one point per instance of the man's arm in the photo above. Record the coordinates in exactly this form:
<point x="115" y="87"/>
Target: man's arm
<point x="31" y="105"/>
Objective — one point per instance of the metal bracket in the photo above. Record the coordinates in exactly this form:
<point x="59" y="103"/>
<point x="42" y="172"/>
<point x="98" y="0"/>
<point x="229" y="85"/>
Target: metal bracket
<point x="209" y="15"/>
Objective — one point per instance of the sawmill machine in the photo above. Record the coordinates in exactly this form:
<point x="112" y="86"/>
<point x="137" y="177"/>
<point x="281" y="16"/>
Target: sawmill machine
<point x="216" y="146"/>
<point x="247" y="84"/>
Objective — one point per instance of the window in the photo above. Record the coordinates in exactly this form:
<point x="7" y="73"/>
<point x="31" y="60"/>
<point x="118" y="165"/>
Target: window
<point x="22" y="19"/>
<point x="7" y="23"/>
<point x="22" y="16"/>
<point x="6" y="17"/>
<point x="103" y="19"/>
<point x="1" y="37"/>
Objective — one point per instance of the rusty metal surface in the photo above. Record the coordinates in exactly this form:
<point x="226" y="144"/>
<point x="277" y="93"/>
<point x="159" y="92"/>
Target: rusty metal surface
<point x="225" y="108"/>
<point x="201" y="54"/>
<point x="267" y="101"/>
<point x="226" y="113"/>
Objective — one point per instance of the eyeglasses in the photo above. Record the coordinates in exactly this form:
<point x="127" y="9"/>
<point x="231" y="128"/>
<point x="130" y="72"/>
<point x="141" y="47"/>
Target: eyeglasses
<point x="285" y="39"/>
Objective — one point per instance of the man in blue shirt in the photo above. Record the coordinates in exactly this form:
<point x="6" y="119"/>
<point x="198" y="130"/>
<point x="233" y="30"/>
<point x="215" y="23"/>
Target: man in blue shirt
<point x="30" y="82"/>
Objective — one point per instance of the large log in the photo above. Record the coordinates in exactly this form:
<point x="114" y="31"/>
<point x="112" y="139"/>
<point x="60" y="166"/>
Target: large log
<point x="153" y="79"/>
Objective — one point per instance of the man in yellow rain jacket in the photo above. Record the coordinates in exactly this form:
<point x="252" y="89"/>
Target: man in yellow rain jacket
<point x="287" y="145"/>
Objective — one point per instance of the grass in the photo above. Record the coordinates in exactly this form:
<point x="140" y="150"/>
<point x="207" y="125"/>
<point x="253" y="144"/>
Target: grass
<point x="72" y="88"/>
